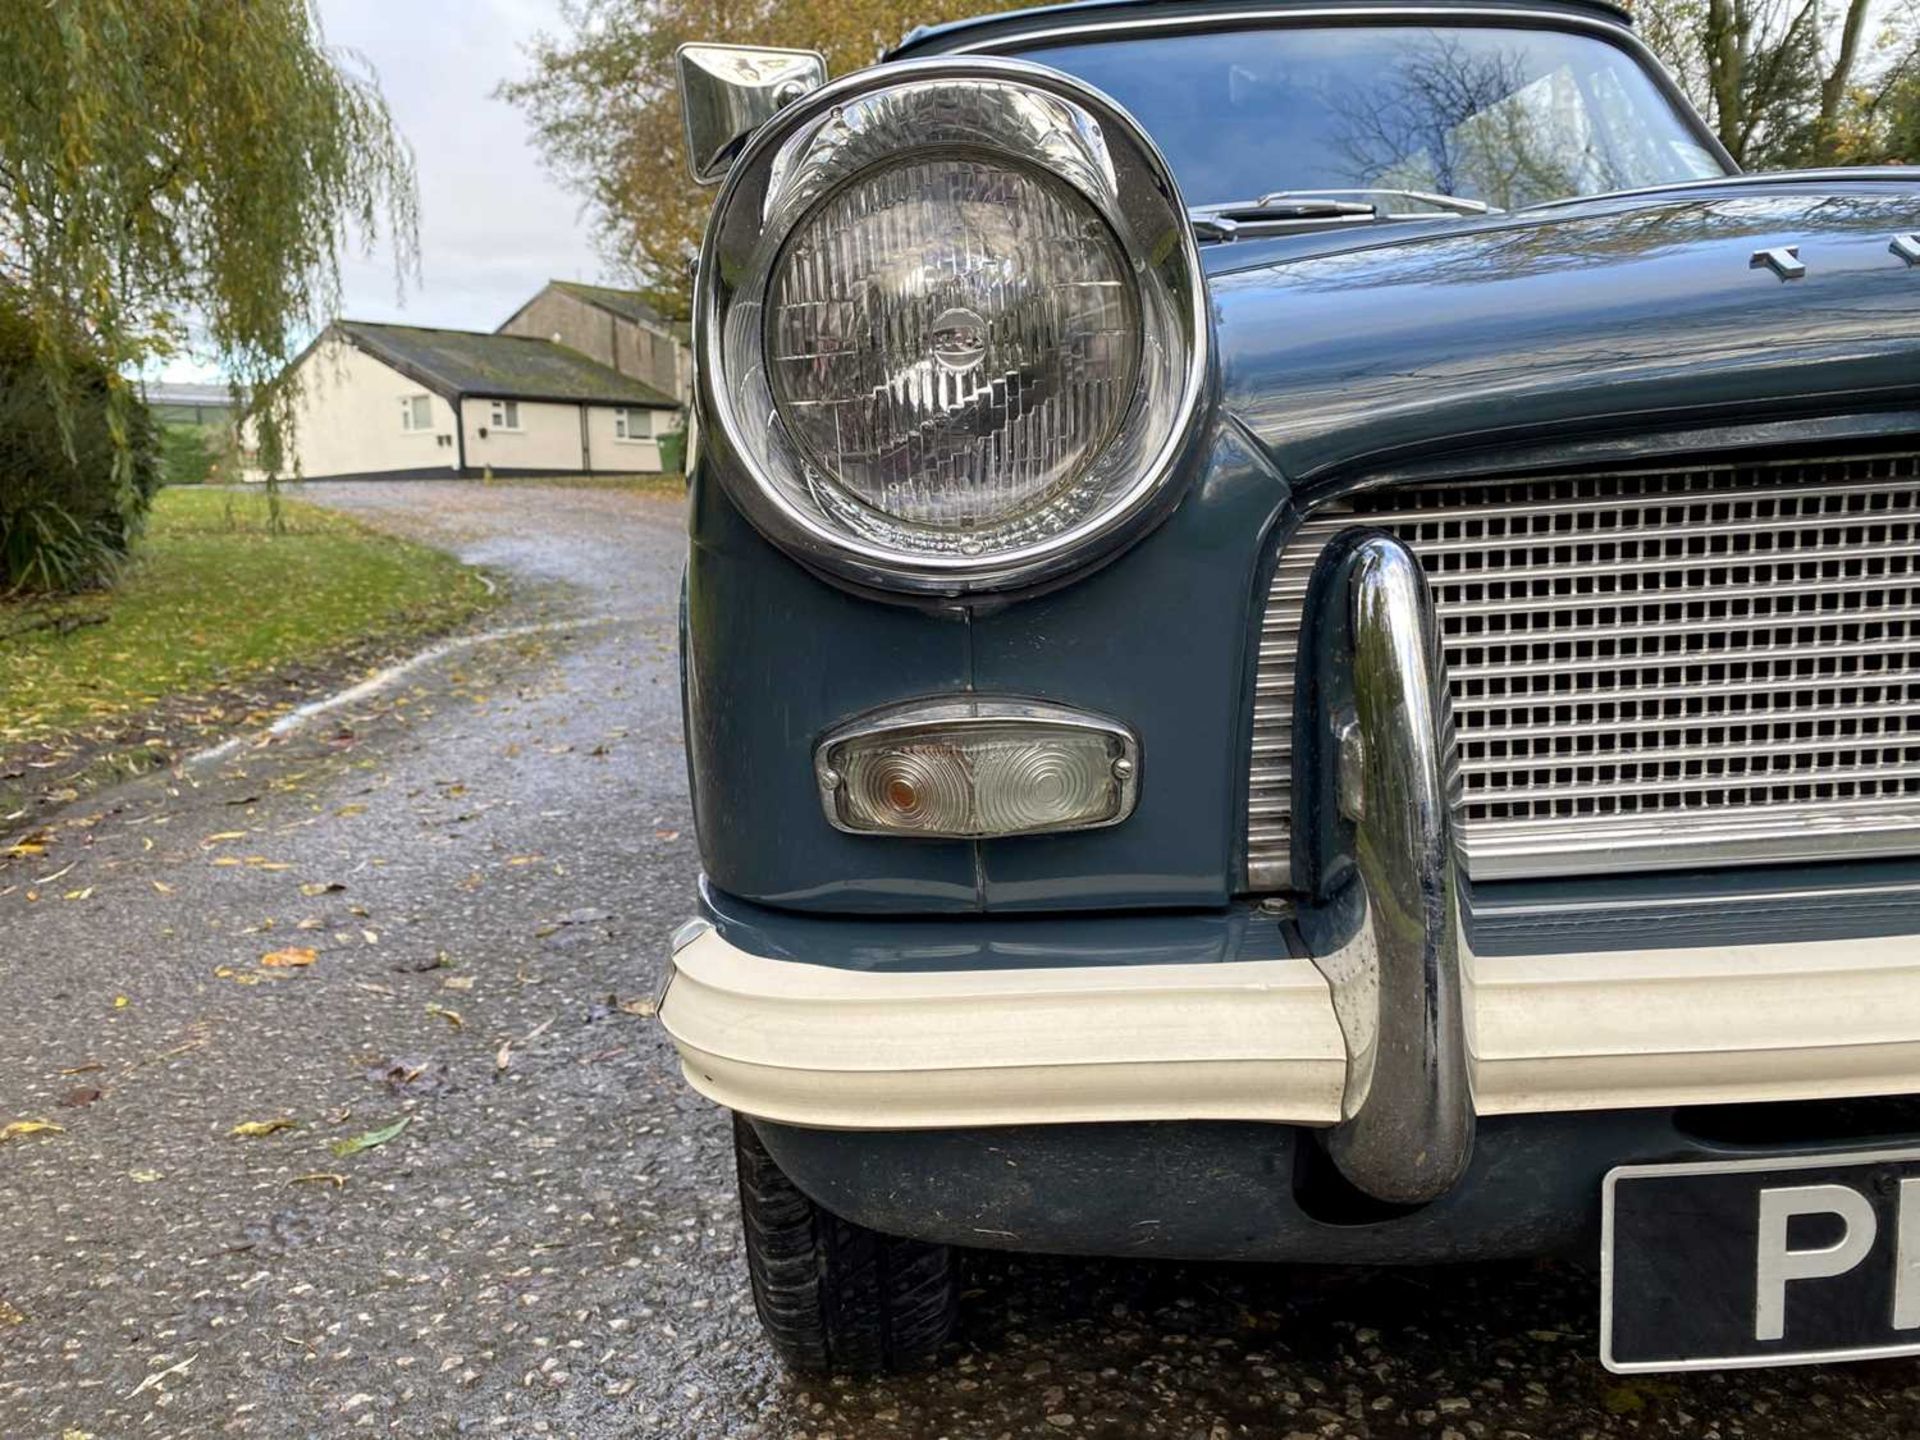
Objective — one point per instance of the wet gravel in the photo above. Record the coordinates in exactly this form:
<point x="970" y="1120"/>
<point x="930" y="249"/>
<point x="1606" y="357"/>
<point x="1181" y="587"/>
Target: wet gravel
<point x="485" y="861"/>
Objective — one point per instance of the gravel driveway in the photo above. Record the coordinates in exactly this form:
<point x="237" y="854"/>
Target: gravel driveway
<point x="467" y="881"/>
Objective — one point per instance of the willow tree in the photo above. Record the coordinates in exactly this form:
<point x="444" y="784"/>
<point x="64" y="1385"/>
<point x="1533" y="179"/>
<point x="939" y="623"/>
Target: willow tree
<point x="606" y="112"/>
<point x="185" y="174"/>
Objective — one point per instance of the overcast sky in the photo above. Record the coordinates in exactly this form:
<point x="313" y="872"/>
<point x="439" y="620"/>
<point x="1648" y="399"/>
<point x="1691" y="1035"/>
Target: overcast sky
<point x="493" y="226"/>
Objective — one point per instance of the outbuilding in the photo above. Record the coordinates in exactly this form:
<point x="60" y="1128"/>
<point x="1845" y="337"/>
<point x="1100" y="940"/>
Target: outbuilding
<point x="399" y="401"/>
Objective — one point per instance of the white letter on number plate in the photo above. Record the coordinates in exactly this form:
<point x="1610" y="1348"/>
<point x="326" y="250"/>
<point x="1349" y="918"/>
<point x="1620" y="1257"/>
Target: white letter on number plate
<point x="1775" y="1264"/>
<point x="1906" y="1271"/>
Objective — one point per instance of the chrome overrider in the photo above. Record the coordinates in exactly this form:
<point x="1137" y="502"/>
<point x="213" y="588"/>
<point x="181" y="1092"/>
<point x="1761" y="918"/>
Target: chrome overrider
<point x="1383" y="921"/>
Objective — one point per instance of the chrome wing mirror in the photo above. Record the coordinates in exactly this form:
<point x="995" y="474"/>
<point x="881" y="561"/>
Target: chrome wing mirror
<point x="729" y="91"/>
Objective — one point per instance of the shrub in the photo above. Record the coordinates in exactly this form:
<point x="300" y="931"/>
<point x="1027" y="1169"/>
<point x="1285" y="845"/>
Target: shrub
<point x="673" y="450"/>
<point x="72" y="496"/>
<point x="190" y="454"/>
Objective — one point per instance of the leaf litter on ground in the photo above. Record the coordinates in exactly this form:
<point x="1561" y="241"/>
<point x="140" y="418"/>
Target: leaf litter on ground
<point x="260" y="1129"/>
<point x="343" y="1148"/>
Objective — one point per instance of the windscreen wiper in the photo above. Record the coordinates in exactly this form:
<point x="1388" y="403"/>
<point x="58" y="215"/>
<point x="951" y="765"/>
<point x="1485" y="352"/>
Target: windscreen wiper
<point x="1222" y="222"/>
<point x="1458" y="204"/>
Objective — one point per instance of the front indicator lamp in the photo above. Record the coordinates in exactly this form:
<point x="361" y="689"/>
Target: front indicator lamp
<point x="971" y="769"/>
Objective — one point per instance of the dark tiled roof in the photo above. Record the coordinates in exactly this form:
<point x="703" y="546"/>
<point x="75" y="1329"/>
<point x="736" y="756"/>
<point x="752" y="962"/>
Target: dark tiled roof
<point x="630" y="304"/>
<point x="468" y="362"/>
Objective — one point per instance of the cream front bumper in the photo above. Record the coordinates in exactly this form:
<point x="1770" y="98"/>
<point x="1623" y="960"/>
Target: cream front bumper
<point x="817" y="1045"/>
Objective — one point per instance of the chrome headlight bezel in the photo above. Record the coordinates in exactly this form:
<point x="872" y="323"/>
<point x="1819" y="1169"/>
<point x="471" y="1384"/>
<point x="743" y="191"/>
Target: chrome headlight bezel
<point x="1024" y="113"/>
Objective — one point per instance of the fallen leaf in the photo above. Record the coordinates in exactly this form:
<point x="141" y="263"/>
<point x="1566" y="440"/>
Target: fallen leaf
<point x="525" y="860"/>
<point x="10" y="1316"/>
<point x="292" y="957"/>
<point x="79" y="1097"/>
<point x="162" y="887"/>
<point x="120" y="1002"/>
<point x="145" y="1177"/>
<point x="452" y="1017"/>
<point x="343" y="1148"/>
<point x="348" y="811"/>
<point x="457" y="982"/>
<point x="320" y="1177"/>
<point x="30" y="1127"/>
<point x="224" y="835"/>
<point x="318" y="887"/>
<point x="258" y="1129"/>
<point x="372" y="988"/>
<point x="159" y="1375"/>
<point x="85" y="894"/>
<point x="503" y="1057"/>
<point x="642" y="1008"/>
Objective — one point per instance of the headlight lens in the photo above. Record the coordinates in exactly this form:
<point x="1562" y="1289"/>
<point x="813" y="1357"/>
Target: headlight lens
<point x="951" y="341"/>
<point x="951" y="328"/>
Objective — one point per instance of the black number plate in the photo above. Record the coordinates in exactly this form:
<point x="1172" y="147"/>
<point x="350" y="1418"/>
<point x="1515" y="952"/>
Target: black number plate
<point x="1783" y="1261"/>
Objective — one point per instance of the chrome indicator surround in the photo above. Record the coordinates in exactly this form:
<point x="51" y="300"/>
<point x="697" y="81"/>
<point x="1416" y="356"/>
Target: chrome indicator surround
<point x="1012" y="110"/>
<point x="961" y="715"/>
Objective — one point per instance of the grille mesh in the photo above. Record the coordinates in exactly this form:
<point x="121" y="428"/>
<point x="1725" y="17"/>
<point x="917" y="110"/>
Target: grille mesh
<point x="1654" y="668"/>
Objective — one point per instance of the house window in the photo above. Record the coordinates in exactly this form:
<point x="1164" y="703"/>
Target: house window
<point x="633" y="424"/>
<point x="416" y="413"/>
<point x="506" y="414"/>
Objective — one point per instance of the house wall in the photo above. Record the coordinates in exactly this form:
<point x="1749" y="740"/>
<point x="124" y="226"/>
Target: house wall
<point x="548" y="440"/>
<point x="612" y="455"/>
<point x="347" y="419"/>
<point x="648" y="355"/>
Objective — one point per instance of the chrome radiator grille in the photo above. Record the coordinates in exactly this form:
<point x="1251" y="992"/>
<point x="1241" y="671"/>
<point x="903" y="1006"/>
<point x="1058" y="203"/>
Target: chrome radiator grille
<point x="1650" y="668"/>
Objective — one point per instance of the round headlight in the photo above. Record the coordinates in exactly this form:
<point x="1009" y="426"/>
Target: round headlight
<point x="952" y="341"/>
<point x="951" y="328"/>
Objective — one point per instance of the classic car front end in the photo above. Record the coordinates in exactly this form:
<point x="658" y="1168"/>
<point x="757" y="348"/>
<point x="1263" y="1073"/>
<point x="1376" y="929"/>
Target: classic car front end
<point x="1373" y="719"/>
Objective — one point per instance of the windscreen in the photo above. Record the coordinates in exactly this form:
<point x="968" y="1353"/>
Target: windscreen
<point x="1505" y="115"/>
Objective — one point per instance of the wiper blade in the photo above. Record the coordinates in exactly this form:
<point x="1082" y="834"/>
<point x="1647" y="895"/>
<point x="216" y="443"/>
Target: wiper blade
<point x="1458" y="204"/>
<point x="1282" y="206"/>
<point x="1223" y="222"/>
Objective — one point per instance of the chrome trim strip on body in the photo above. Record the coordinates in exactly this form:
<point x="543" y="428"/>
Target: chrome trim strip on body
<point x="1730" y="1167"/>
<point x="1612" y="905"/>
<point x="1617" y="32"/>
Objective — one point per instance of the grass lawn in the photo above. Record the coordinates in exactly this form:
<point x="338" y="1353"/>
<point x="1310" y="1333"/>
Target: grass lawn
<point x="211" y="599"/>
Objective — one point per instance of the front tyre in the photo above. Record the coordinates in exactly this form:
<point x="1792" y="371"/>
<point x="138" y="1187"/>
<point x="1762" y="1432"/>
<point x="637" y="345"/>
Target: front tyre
<point x="833" y="1295"/>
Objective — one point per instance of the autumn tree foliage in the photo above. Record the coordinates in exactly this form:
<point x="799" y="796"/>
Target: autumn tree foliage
<point x="1789" y="83"/>
<point x="173" y="173"/>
